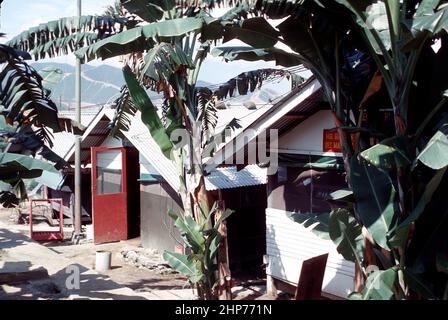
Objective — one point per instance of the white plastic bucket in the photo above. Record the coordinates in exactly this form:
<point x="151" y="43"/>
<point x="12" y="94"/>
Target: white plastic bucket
<point x="103" y="260"/>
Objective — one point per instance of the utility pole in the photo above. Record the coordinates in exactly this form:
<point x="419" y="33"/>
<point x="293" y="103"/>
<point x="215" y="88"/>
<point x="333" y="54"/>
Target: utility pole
<point x="77" y="204"/>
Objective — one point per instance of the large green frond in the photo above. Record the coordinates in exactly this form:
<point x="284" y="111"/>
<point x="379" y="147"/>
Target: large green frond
<point x="125" y="111"/>
<point x="66" y="34"/>
<point x="24" y="100"/>
<point x="139" y="39"/>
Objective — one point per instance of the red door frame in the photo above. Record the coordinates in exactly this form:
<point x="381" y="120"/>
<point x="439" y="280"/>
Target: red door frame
<point x="109" y="211"/>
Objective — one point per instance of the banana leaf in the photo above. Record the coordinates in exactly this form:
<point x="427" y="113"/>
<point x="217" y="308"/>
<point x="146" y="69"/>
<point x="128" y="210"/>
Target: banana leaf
<point x="148" y="10"/>
<point x="389" y="154"/>
<point x="435" y="153"/>
<point x="346" y="235"/>
<point x="24" y="99"/>
<point x="281" y="57"/>
<point x="148" y="112"/>
<point x="375" y="200"/>
<point x="12" y="162"/>
<point x="63" y="35"/>
<point x="380" y="285"/>
<point x="139" y="38"/>
<point x="180" y="263"/>
<point x="318" y="224"/>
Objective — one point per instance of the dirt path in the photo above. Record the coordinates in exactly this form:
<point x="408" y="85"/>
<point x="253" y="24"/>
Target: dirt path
<point x="137" y="269"/>
<point x="140" y="279"/>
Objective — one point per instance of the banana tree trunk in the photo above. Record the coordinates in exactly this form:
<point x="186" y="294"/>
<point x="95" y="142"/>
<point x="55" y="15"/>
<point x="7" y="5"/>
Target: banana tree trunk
<point x="224" y="276"/>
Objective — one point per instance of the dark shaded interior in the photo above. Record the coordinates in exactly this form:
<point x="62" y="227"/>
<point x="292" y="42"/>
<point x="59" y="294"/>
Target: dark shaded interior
<point x="246" y="229"/>
<point x="303" y="190"/>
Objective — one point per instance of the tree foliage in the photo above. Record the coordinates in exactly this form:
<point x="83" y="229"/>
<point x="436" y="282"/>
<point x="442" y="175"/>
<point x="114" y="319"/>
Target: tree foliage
<point x="27" y="114"/>
<point x="384" y="81"/>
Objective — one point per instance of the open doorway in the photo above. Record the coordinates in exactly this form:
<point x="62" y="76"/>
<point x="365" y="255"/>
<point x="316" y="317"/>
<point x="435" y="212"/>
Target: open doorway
<point x="246" y="232"/>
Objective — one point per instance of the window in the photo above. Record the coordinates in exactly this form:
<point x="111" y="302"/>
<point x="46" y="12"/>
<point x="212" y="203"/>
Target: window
<point x="109" y="172"/>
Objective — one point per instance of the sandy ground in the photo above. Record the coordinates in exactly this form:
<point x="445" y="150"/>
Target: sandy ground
<point x="138" y="279"/>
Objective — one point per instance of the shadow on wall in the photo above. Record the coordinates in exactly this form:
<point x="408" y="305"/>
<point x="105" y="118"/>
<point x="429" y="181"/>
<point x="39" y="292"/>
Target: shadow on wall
<point x="276" y="266"/>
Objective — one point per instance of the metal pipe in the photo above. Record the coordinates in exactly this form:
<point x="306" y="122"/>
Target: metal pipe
<point x="77" y="204"/>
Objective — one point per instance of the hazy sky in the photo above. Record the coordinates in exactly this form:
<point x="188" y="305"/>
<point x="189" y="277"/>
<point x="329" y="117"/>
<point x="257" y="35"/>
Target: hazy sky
<point x="19" y="15"/>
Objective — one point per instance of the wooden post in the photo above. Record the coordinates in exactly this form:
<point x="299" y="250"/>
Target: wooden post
<point x="271" y="287"/>
<point x="225" y="278"/>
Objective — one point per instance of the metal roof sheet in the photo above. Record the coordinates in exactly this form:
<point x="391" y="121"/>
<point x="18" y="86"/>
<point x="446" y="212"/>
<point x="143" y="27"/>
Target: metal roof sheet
<point x="229" y="177"/>
<point x="138" y="134"/>
<point x="221" y="178"/>
<point x="301" y="100"/>
<point x="64" y="141"/>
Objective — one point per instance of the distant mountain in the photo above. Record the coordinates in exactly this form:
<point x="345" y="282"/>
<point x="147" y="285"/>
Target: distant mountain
<point x="99" y="84"/>
<point x="201" y="83"/>
<point x="107" y="74"/>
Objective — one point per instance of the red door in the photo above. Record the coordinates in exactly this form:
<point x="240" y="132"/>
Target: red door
<point x="109" y="198"/>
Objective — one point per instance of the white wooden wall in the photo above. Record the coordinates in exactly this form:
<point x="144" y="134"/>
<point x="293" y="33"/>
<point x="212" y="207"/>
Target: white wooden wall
<point x="289" y="244"/>
<point x="307" y="137"/>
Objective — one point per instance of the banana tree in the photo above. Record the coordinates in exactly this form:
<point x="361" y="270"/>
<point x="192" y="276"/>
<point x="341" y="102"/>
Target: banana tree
<point x="370" y="56"/>
<point x="165" y="44"/>
<point x="27" y="114"/>
<point x="171" y="66"/>
<point x="203" y="241"/>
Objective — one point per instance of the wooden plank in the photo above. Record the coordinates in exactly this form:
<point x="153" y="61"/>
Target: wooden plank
<point x="311" y="278"/>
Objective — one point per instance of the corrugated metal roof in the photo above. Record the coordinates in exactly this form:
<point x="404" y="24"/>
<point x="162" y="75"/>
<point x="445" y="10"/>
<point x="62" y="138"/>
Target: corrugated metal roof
<point x="300" y="113"/>
<point x="300" y="101"/>
<point x="94" y="138"/>
<point x="221" y="178"/>
<point x="86" y="116"/>
<point x="64" y="141"/>
<point x="138" y="134"/>
<point x="229" y="177"/>
<point x="96" y="132"/>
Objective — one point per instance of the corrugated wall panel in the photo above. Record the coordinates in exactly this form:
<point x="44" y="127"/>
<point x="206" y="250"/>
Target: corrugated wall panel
<point x="288" y="244"/>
